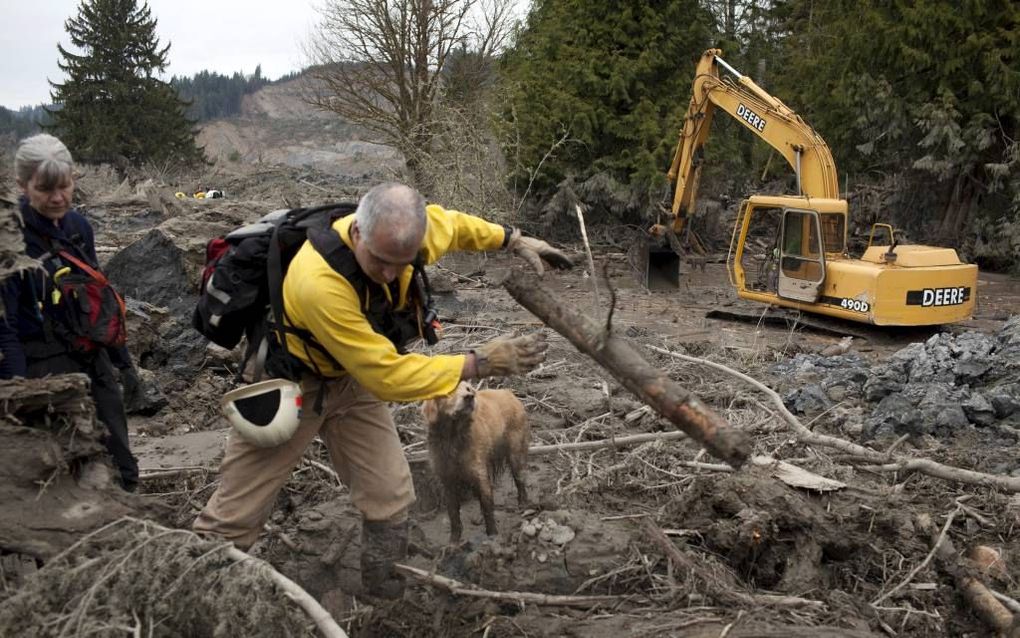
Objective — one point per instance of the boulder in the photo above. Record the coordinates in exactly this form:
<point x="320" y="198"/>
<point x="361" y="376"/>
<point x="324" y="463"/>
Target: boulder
<point x="152" y="270"/>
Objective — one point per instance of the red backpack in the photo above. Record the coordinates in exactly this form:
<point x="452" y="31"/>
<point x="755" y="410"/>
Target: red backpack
<point x="88" y="308"/>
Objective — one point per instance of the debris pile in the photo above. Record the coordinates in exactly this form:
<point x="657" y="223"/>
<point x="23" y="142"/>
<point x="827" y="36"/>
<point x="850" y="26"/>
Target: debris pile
<point x="137" y="577"/>
<point x="937" y="387"/>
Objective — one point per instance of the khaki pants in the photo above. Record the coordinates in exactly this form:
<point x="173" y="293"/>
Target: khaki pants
<point x="363" y="445"/>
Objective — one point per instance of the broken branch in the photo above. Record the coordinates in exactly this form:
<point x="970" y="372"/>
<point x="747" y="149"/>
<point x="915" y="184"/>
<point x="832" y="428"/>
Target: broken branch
<point x="460" y="589"/>
<point x="616" y="355"/>
<point x="292" y="590"/>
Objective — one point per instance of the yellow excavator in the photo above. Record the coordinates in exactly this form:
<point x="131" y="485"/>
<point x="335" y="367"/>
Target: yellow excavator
<point x="791" y="251"/>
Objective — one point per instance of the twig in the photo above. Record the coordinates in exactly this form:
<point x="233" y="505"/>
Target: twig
<point x="1010" y="604"/>
<point x="307" y="183"/>
<point x="457" y="588"/>
<point x="327" y="469"/>
<point x="612" y="297"/>
<point x="591" y="260"/>
<point x="923" y="563"/>
<point x="327" y="626"/>
<point x="534" y="173"/>
<point x="456" y="274"/>
<point x="174" y="472"/>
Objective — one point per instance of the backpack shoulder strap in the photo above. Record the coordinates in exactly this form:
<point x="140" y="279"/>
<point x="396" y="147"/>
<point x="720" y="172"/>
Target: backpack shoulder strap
<point x="340" y="258"/>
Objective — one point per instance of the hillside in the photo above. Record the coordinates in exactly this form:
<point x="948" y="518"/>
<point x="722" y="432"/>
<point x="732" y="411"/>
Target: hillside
<point x="277" y="127"/>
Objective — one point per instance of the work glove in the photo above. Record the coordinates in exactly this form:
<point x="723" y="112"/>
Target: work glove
<point x="134" y="395"/>
<point x="534" y="251"/>
<point x="510" y="355"/>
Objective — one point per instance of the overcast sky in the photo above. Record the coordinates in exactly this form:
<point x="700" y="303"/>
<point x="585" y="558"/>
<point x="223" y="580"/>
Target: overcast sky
<point x="215" y="35"/>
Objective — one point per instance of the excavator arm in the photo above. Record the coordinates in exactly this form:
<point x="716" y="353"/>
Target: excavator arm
<point x="761" y="113"/>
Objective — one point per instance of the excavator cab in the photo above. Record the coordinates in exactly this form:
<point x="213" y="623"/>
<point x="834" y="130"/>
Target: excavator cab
<point x="799" y="235"/>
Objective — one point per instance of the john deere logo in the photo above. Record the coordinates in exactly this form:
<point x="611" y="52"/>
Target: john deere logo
<point x="751" y="117"/>
<point x="938" y="296"/>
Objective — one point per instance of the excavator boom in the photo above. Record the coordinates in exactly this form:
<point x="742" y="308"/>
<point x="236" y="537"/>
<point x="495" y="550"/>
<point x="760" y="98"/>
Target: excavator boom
<point x="764" y="115"/>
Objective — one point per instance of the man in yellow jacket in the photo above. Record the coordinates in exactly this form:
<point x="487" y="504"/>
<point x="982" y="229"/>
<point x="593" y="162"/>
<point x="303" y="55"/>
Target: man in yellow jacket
<point x="357" y="365"/>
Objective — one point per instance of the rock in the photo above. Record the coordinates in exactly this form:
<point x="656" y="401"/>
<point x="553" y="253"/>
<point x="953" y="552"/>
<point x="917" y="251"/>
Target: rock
<point x="810" y="399"/>
<point x="546" y="533"/>
<point x="151" y="400"/>
<point x="895" y="414"/>
<point x="152" y="269"/>
<point x="842" y="347"/>
<point x="979" y="410"/>
<point x="944" y="384"/>
<point x="1005" y="399"/>
<point x="562" y="535"/>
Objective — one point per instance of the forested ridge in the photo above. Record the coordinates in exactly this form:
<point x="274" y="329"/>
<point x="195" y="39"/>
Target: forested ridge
<point x="919" y="102"/>
<point x="209" y="95"/>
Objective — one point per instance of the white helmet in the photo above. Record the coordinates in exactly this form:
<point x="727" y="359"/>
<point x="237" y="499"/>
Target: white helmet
<point x="265" y="414"/>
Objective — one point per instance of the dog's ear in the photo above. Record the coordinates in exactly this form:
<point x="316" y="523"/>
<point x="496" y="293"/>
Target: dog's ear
<point x="429" y="410"/>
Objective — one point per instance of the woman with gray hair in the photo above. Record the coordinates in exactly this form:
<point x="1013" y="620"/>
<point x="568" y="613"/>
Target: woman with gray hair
<point x="46" y="329"/>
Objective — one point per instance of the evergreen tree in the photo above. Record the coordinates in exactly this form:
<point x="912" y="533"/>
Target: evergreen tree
<point x="114" y="108"/>
<point x="212" y="95"/>
<point x="610" y="79"/>
<point x="927" y="89"/>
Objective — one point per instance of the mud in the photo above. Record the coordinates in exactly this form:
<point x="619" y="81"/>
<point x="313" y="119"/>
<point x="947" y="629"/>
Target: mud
<point x="740" y="534"/>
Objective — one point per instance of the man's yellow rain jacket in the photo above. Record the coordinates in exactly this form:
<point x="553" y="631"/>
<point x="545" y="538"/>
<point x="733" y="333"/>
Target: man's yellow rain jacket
<point x="320" y="300"/>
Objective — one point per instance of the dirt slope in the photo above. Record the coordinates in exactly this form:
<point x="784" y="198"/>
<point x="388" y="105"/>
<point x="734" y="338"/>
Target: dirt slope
<point x="277" y="127"/>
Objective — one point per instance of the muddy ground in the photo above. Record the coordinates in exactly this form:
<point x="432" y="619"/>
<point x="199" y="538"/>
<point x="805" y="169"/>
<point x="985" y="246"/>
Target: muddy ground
<point x="760" y="558"/>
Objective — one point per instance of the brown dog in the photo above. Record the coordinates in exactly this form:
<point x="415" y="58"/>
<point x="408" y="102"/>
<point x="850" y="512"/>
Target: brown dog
<point x="473" y="436"/>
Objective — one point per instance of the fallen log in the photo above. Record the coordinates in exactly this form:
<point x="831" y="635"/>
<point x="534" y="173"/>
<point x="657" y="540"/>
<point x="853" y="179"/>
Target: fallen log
<point x="616" y="355"/>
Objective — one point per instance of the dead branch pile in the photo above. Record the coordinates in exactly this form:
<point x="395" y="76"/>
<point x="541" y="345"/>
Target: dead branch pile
<point x="140" y="578"/>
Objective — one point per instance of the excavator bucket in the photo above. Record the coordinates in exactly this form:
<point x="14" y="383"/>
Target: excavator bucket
<point x="656" y="265"/>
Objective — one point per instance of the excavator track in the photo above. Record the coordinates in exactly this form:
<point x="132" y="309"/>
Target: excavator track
<point x="794" y="320"/>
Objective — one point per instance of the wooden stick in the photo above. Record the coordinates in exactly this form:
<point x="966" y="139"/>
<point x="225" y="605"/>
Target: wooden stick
<point x="898" y="464"/>
<point x="591" y="260"/>
<point x="327" y="469"/>
<point x="460" y="589"/>
<point x="617" y="356"/>
<point x="174" y="472"/>
<point x="327" y="626"/>
<point x="623" y="441"/>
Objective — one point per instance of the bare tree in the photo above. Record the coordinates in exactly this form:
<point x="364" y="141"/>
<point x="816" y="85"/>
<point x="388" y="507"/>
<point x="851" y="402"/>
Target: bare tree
<point x="382" y="64"/>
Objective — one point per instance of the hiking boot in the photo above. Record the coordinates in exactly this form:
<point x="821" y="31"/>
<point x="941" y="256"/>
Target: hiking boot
<point x="383" y="543"/>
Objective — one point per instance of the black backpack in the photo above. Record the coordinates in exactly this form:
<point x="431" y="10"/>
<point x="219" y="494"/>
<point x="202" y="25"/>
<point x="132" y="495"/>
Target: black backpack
<point x="242" y="288"/>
